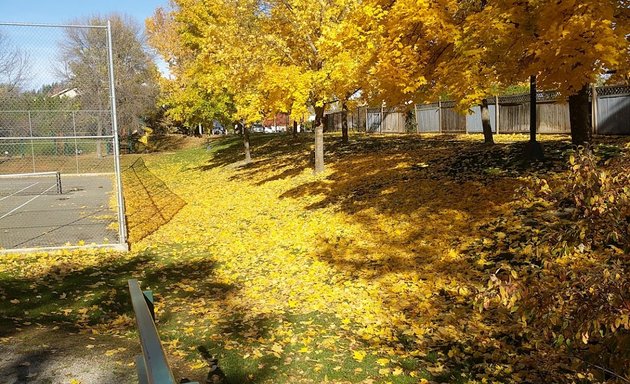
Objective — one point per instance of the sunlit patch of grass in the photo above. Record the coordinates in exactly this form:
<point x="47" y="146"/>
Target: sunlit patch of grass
<point x="357" y="275"/>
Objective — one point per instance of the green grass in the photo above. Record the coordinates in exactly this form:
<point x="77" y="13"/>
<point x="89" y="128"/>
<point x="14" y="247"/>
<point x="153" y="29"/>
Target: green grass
<point x="199" y="303"/>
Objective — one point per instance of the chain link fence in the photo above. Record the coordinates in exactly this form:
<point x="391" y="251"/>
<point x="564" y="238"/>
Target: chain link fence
<point x="57" y="117"/>
<point x="149" y="202"/>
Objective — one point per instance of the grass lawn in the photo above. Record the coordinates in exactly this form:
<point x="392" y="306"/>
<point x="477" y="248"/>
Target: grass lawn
<point x="367" y="273"/>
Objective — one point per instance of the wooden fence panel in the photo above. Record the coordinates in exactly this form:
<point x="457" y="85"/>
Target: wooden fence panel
<point x="613" y="115"/>
<point x="514" y="118"/>
<point x="374" y="120"/>
<point x="338" y="121"/>
<point x="329" y="121"/>
<point x="352" y="120"/>
<point x="393" y="122"/>
<point x="473" y="120"/>
<point x="552" y="117"/>
<point x="452" y="121"/>
<point x="334" y="121"/>
<point x="428" y="118"/>
<point x="361" y="119"/>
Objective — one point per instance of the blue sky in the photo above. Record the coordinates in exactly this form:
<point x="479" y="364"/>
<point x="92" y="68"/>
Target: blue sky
<point x="41" y="44"/>
<point x="62" y="11"/>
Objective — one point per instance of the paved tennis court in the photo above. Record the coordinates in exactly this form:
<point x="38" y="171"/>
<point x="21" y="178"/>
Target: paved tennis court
<point x="39" y="216"/>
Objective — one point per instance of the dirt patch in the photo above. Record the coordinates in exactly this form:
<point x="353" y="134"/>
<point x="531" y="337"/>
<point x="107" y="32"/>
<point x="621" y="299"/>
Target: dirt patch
<point x="50" y="356"/>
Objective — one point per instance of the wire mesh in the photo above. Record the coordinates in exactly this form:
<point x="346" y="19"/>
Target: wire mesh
<point x="149" y="202"/>
<point x="56" y="117"/>
<point x="31" y="184"/>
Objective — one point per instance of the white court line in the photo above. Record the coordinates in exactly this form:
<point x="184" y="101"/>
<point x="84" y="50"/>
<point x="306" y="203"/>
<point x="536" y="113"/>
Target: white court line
<point x="15" y="193"/>
<point x="35" y="197"/>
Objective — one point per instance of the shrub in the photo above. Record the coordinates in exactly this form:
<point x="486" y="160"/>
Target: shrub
<point x="567" y="281"/>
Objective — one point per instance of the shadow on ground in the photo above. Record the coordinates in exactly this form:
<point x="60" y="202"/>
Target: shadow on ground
<point x="71" y="305"/>
<point x="419" y="203"/>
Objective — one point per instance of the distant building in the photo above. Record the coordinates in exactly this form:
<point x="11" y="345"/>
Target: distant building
<point x="69" y="93"/>
<point x="277" y="123"/>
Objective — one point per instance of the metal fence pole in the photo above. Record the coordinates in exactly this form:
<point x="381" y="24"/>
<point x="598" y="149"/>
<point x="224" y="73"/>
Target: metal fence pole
<point x="30" y="128"/>
<point x="122" y="227"/>
<point x="76" y="147"/>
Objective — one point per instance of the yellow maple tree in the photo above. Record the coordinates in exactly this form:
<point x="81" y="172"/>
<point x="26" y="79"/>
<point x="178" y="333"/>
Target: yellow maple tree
<point x="310" y="38"/>
<point x="468" y="49"/>
<point x="215" y="48"/>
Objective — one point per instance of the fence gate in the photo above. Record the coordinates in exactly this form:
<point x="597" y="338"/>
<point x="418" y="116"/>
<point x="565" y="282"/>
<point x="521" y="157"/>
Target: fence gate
<point x="60" y="183"/>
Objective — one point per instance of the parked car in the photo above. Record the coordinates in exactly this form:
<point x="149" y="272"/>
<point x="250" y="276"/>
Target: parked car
<point x="275" y="129"/>
<point x="217" y="128"/>
<point x="258" y="128"/>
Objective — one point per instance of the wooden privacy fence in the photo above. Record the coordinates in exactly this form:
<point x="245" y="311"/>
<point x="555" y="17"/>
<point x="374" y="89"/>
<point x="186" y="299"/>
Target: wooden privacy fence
<point x="356" y="118"/>
<point x="611" y="111"/>
<point x="512" y="113"/>
<point x="610" y="115"/>
<point x="372" y="120"/>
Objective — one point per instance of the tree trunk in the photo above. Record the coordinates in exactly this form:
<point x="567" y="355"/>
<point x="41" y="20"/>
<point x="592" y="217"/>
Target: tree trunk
<point x="485" y="122"/>
<point x="344" y="122"/>
<point x="532" y="108"/>
<point x="295" y="124"/>
<point x="578" y="116"/>
<point x="319" y="140"/>
<point x="248" y="155"/>
<point x="533" y="150"/>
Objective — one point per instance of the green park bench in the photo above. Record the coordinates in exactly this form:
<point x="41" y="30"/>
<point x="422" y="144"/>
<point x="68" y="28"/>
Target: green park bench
<point x="152" y="366"/>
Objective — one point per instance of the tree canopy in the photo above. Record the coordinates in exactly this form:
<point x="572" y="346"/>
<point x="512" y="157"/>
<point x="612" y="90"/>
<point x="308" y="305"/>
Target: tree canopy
<point x="13" y="66"/>
<point x="272" y="56"/>
<point x="84" y="59"/>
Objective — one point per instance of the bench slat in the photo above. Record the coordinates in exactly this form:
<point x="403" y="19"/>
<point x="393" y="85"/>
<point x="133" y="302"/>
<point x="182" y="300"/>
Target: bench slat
<point x="141" y="369"/>
<point x="154" y="358"/>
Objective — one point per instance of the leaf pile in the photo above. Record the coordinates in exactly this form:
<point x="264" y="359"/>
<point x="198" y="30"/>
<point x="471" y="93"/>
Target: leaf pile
<point x="369" y="273"/>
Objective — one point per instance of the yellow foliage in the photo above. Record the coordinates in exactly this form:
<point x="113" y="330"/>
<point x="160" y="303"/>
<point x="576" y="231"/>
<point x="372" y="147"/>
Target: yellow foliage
<point x="470" y="50"/>
<point x="374" y="278"/>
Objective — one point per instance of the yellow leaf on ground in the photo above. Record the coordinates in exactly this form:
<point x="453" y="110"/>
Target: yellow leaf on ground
<point x="359" y="355"/>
